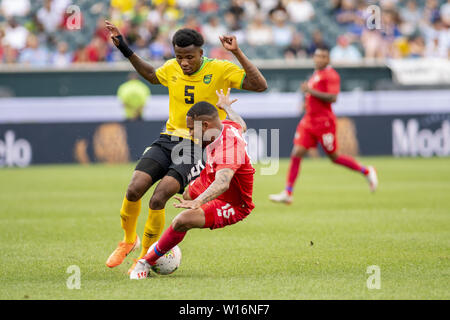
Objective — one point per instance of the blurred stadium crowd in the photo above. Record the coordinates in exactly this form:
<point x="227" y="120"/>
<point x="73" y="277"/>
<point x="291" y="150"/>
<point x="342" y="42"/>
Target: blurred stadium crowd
<point x="36" y="32"/>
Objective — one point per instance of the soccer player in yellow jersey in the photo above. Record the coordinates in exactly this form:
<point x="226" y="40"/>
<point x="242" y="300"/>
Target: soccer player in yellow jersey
<point x="190" y="77"/>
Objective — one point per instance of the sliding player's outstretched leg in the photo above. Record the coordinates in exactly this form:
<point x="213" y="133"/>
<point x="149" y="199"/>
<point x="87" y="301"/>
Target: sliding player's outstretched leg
<point x="176" y="232"/>
<point x="129" y="213"/>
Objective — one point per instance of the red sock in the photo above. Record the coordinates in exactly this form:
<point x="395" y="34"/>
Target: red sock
<point x="350" y="163"/>
<point x="169" y="239"/>
<point x="294" y="168"/>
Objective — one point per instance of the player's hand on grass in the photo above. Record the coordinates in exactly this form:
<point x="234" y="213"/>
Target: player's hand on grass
<point x="229" y="43"/>
<point x="224" y="99"/>
<point x="114" y="32"/>
<point x="187" y="204"/>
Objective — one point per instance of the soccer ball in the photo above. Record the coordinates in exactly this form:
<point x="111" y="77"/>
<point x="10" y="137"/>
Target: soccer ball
<point x="169" y="262"/>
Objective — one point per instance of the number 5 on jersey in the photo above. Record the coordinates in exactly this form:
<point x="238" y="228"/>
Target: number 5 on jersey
<point x="189" y="94"/>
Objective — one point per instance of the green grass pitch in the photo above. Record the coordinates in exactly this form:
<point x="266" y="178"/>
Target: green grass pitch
<point x="52" y="217"/>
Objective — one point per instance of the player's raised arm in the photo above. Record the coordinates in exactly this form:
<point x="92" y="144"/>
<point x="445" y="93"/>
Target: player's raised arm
<point x="225" y="103"/>
<point x="254" y="80"/>
<point x="141" y="66"/>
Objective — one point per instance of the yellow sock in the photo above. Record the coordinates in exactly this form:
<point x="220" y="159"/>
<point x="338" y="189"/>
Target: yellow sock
<point x="153" y="229"/>
<point x="129" y="214"/>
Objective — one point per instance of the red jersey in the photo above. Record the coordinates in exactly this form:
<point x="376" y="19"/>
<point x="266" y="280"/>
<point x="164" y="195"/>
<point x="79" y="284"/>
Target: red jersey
<point x="228" y="151"/>
<point x="326" y="80"/>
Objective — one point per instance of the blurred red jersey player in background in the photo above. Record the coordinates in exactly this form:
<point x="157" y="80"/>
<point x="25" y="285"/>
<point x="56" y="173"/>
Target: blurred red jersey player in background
<point x="319" y="126"/>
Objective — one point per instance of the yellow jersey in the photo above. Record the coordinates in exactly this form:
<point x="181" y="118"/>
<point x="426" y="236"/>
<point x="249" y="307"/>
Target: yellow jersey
<point x="186" y="90"/>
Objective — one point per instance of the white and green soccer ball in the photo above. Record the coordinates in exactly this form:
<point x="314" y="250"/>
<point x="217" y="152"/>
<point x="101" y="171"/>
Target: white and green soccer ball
<point x="169" y="262"/>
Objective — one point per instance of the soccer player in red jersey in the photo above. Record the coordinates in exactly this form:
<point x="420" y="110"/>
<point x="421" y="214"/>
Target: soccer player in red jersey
<point x="222" y="194"/>
<point x="319" y="126"/>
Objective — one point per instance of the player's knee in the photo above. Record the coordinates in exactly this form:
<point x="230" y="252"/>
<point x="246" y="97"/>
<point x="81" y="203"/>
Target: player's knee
<point x="333" y="156"/>
<point x="138" y="186"/>
<point x="160" y="197"/>
<point x="133" y="194"/>
<point x="158" y="201"/>
<point x="182" y="222"/>
<point x="178" y="223"/>
<point x="298" y="151"/>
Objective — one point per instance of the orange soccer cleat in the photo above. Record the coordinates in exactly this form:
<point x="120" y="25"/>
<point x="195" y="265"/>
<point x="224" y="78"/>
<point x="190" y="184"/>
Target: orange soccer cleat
<point x="122" y="250"/>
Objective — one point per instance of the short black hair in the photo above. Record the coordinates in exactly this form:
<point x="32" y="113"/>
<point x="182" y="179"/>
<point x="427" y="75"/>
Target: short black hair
<point x="323" y="47"/>
<point x="186" y="37"/>
<point x="202" y="108"/>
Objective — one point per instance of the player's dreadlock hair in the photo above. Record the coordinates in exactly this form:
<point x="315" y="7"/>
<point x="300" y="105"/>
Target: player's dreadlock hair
<point x="202" y="108"/>
<point x="186" y="37"/>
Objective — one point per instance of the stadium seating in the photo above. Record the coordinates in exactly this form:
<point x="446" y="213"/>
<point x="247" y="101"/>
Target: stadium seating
<point x="324" y="20"/>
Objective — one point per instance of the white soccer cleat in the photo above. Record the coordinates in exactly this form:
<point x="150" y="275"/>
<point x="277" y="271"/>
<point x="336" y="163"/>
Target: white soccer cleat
<point x="141" y="270"/>
<point x="372" y="178"/>
<point x="282" y="197"/>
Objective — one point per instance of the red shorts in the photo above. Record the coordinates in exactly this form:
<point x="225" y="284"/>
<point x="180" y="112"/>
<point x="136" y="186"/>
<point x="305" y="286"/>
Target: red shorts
<point x="218" y="213"/>
<point x="321" y="131"/>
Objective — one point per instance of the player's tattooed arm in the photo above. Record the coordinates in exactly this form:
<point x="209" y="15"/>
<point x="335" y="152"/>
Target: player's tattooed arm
<point x="254" y="80"/>
<point x="220" y="184"/>
<point x="141" y="66"/>
<point x="324" y="96"/>
<point x="225" y="103"/>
